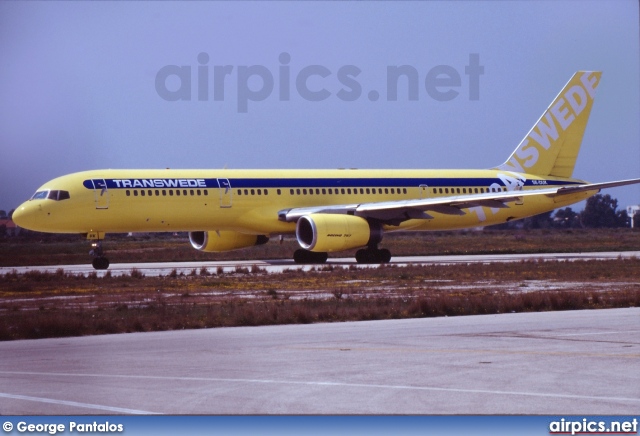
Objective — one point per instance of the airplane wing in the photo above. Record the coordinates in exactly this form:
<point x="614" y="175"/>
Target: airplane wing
<point x="395" y="212"/>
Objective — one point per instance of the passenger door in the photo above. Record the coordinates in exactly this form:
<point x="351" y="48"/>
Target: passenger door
<point x="100" y="193"/>
<point x="225" y="192"/>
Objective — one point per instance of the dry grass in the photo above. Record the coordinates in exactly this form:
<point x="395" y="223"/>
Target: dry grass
<point x="36" y="305"/>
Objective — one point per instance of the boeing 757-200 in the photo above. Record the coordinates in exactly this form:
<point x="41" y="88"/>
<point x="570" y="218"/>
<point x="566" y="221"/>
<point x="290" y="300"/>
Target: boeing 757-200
<point x="327" y="210"/>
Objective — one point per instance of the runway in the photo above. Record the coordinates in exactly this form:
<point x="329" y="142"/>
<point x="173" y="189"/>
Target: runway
<point x="577" y="362"/>
<point x="273" y="266"/>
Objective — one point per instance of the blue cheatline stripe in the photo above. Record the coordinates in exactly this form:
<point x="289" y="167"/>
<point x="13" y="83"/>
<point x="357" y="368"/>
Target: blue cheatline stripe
<point x="391" y="182"/>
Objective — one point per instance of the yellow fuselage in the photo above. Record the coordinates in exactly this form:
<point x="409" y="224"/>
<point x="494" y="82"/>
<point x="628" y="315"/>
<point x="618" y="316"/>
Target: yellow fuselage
<point x="248" y="201"/>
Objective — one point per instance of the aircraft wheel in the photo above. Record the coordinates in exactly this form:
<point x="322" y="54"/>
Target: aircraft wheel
<point x="363" y="256"/>
<point x="385" y="255"/>
<point x="100" y="263"/>
<point x="299" y="256"/>
<point x="373" y="255"/>
<point x="305" y="257"/>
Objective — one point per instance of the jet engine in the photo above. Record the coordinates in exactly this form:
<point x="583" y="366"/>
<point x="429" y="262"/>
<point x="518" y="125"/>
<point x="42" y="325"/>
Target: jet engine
<point x="334" y="232"/>
<point x="224" y="240"/>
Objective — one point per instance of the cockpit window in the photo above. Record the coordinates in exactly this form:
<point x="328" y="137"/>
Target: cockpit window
<point x="40" y="195"/>
<point x="51" y="195"/>
<point x="58" y="195"/>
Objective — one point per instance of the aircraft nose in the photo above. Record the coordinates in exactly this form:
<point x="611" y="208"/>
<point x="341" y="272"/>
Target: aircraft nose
<point x="26" y="215"/>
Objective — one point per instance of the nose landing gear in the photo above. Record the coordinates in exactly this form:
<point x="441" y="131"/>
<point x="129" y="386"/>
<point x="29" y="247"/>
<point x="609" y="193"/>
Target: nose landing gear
<point x="99" y="260"/>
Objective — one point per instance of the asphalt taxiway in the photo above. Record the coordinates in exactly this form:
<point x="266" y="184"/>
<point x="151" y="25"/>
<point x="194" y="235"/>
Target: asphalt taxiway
<point x="273" y="266"/>
<point x="574" y="362"/>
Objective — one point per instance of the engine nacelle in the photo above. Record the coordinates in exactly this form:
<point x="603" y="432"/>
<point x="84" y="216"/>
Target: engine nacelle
<point x="224" y="240"/>
<point x="334" y="232"/>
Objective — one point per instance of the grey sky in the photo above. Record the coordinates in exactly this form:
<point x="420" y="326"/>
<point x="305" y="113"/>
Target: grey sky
<point x="77" y="85"/>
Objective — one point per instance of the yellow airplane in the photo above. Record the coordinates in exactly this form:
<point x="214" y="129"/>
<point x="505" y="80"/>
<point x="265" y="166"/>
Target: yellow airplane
<point x="327" y="210"/>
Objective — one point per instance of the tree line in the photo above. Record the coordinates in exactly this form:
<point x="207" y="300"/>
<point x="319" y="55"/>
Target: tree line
<point x="601" y="211"/>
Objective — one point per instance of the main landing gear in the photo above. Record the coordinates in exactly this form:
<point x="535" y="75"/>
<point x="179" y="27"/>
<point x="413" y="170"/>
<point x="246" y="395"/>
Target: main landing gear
<point x="99" y="260"/>
<point x="369" y="255"/>
<point x="373" y="255"/>
<point x="306" y="256"/>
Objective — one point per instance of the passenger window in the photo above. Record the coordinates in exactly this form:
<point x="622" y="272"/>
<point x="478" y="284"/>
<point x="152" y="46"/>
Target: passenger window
<point x="157" y="193"/>
<point x="266" y="192"/>
<point x="135" y="192"/>
<point x="128" y="193"/>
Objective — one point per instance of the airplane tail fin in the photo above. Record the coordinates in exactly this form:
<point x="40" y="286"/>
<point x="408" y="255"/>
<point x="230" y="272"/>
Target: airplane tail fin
<point x="551" y="147"/>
